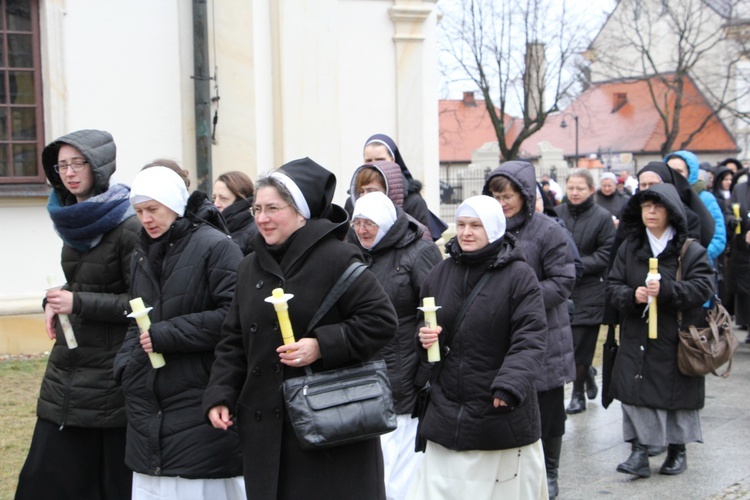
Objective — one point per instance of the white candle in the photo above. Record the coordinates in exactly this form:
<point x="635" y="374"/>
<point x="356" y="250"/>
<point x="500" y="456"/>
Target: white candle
<point x="140" y="313"/>
<point x="430" y="321"/>
<point x="67" y="328"/>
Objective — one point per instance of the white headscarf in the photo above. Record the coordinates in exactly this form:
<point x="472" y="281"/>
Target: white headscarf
<point x="378" y="208"/>
<point x="489" y="211"/>
<point x="163" y="185"/>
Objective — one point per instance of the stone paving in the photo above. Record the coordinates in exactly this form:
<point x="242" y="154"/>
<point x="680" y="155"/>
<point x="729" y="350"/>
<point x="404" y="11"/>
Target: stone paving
<point x="718" y="468"/>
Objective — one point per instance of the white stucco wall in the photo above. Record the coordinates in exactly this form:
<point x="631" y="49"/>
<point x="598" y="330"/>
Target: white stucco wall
<point x="312" y="78"/>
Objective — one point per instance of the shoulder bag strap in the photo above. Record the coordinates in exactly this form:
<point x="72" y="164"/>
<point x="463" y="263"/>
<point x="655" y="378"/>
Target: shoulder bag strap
<point x="339" y="288"/>
<point x="678" y="276"/>
<point x="460" y="316"/>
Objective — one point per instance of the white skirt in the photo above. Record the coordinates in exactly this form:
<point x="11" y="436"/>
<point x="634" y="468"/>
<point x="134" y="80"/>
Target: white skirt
<point x="517" y="473"/>
<point x="169" y="488"/>
<point x="400" y="461"/>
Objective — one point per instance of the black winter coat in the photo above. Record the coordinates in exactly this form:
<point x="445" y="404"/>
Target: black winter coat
<point x="241" y="223"/>
<point x="496" y="352"/>
<point x="401" y="261"/>
<point x="78" y="388"/>
<point x="739" y="257"/>
<point x="545" y="244"/>
<point x="190" y="294"/>
<point x="614" y="203"/>
<point x="645" y="371"/>
<point x="247" y="374"/>
<point x="593" y="232"/>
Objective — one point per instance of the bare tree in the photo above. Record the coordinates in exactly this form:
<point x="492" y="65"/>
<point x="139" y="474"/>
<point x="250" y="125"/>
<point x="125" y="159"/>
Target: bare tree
<point x="667" y="42"/>
<point x="518" y="53"/>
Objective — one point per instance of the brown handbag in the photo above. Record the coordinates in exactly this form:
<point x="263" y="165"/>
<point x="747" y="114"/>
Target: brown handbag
<point x="702" y="350"/>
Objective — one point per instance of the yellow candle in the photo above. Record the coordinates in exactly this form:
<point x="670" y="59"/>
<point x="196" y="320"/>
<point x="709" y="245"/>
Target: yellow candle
<point x="67" y="328"/>
<point x="736" y="210"/>
<point x="280" y="300"/>
<point x="430" y="321"/>
<point x="140" y="313"/>
<point x="653" y="268"/>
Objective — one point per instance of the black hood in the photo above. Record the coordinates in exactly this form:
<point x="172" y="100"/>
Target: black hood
<point x="97" y="146"/>
<point x="664" y="194"/>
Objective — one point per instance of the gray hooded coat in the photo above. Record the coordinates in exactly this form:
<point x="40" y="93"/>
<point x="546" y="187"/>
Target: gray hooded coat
<point x="545" y="246"/>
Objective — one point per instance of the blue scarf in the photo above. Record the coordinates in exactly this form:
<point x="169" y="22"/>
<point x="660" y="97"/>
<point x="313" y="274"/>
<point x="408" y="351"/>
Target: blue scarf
<point x="82" y="225"/>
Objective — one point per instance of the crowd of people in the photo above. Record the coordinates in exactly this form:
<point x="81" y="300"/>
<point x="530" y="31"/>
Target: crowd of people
<point x="532" y="273"/>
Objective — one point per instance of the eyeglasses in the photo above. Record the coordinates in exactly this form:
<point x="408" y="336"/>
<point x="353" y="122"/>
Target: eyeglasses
<point x="367" y="224"/>
<point x="505" y="198"/>
<point x="652" y="207"/>
<point x="77" y="165"/>
<point x="270" y="210"/>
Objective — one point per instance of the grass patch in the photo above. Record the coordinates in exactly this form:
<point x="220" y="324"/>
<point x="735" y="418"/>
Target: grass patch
<point x="20" y="380"/>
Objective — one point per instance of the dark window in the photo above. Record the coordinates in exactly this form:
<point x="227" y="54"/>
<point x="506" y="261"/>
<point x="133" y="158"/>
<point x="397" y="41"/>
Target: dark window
<point x="21" y="125"/>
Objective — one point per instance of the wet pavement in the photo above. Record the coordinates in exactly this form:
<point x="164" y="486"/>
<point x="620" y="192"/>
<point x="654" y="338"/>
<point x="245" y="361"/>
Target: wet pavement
<point x="718" y="468"/>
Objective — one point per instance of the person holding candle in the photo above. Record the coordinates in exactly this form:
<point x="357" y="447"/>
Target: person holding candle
<point x="299" y="249"/>
<point x="483" y="409"/>
<point x="545" y="243"/>
<point x="78" y="446"/>
<point x="233" y="196"/>
<point x="392" y="245"/>
<point x="660" y="405"/>
<point x="186" y="270"/>
<point x="593" y="232"/>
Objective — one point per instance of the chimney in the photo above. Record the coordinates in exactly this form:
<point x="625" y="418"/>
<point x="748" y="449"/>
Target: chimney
<point x="619" y="99"/>
<point x="469" y="100"/>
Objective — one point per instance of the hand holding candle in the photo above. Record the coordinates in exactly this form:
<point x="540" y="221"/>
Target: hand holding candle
<point x="653" y="275"/>
<point x="140" y="313"/>
<point x="430" y="321"/>
<point x="279" y="300"/>
<point x="67" y="328"/>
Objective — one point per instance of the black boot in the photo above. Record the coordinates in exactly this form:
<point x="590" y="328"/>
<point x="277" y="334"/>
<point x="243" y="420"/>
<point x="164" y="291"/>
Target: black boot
<point x="552" y="447"/>
<point x="676" y="461"/>
<point x="654" y="450"/>
<point x="591" y="388"/>
<point x="577" y="400"/>
<point x="637" y="462"/>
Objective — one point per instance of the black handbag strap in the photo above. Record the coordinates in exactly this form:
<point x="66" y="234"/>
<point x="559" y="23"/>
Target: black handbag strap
<point x="465" y="307"/>
<point x="678" y="276"/>
<point x="339" y="288"/>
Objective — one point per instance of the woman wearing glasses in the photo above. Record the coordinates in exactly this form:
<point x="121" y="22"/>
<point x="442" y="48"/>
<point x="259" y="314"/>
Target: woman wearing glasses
<point x="393" y="246"/>
<point x="186" y="270"/>
<point x="660" y="406"/>
<point x="78" y="447"/>
<point x="299" y="249"/>
<point x="593" y="232"/>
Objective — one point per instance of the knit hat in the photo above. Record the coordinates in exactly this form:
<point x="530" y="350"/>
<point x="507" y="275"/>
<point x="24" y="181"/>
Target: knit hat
<point x="161" y="184"/>
<point x="310" y="185"/>
<point x="488" y="210"/>
<point x="378" y="208"/>
<point x="608" y="175"/>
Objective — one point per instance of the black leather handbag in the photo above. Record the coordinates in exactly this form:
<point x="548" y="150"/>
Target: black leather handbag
<point x="344" y="405"/>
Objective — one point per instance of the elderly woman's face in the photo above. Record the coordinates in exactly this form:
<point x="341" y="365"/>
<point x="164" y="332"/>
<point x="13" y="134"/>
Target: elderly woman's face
<point x="366" y="231"/>
<point x="608" y="187"/>
<point x="654" y="216"/>
<point x="277" y="220"/>
<point x="155" y="217"/>
<point x="471" y="234"/>
<point x="510" y="199"/>
<point x="648" y="179"/>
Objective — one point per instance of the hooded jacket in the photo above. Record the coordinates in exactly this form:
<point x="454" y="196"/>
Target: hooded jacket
<point x="190" y="290"/>
<point x="496" y="352"/>
<point x="645" y="371"/>
<point x="397" y="191"/>
<point x="719" y="238"/>
<point x="545" y="245"/>
<point x="401" y="261"/>
<point x="240" y="223"/>
<point x="78" y="388"/>
<point x="593" y="232"/>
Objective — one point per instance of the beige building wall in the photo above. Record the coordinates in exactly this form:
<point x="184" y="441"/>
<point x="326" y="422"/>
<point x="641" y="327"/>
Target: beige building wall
<point x="312" y="78"/>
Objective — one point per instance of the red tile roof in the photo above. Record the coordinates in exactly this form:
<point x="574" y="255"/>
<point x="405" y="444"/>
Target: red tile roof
<point x="633" y="127"/>
<point x="464" y="128"/>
